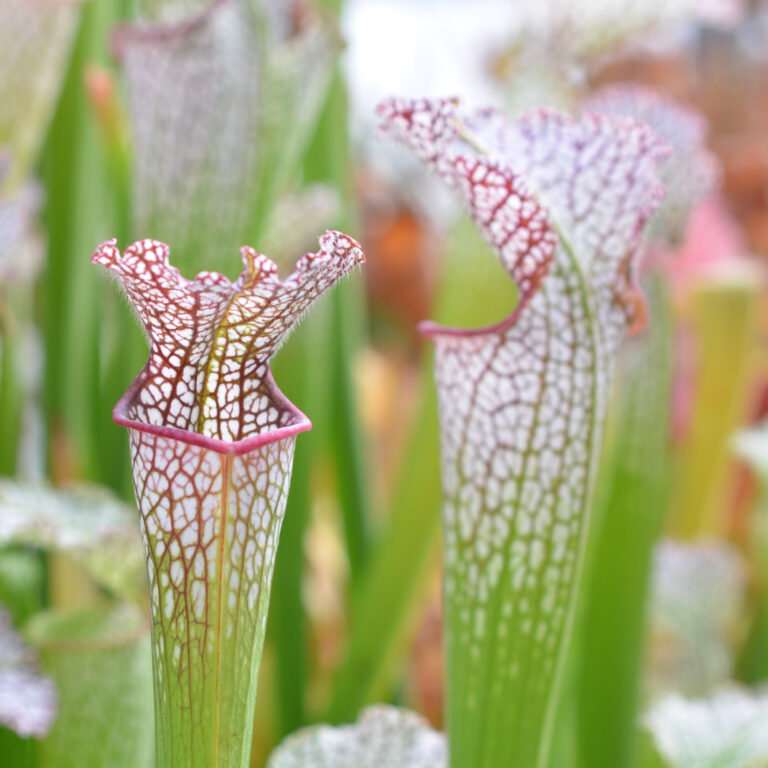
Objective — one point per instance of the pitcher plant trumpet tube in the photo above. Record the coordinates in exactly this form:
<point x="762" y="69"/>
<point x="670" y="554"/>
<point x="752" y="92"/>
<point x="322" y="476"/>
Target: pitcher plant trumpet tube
<point x="212" y="441"/>
<point x="522" y="403"/>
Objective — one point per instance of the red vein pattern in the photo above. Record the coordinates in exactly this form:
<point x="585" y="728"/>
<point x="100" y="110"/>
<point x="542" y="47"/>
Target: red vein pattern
<point x="522" y="403"/>
<point x="212" y="442"/>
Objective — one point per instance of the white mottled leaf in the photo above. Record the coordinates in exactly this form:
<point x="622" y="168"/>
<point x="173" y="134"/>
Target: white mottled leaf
<point x="220" y="110"/>
<point x="89" y="525"/>
<point x="589" y="27"/>
<point x="21" y="246"/>
<point x="697" y="596"/>
<point x="27" y="700"/>
<point x="729" y="730"/>
<point x="383" y="737"/>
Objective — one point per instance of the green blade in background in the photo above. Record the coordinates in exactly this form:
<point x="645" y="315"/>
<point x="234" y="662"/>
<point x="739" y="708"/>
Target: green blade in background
<point x="725" y="321"/>
<point x="751" y="445"/>
<point x="80" y="211"/>
<point x="389" y="592"/>
<point x="322" y="372"/>
<point x="632" y="507"/>
<point x="302" y="374"/>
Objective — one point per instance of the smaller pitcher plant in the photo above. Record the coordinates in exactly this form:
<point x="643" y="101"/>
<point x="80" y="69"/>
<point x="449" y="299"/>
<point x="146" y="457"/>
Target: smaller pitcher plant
<point x="212" y="440"/>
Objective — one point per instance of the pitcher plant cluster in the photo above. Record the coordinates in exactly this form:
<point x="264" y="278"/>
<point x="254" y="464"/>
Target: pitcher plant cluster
<point x="164" y="596"/>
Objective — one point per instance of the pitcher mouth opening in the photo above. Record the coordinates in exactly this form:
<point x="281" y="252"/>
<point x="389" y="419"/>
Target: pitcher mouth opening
<point x="121" y="415"/>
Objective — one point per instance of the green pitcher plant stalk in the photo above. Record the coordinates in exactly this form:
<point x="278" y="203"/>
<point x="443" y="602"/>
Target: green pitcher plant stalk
<point x="212" y="441"/>
<point x="522" y="403"/>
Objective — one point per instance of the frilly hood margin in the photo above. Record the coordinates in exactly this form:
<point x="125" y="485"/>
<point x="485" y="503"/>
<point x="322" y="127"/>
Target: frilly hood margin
<point x="212" y="441"/>
<point x="211" y="341"/>
<point x="563" y="204"/>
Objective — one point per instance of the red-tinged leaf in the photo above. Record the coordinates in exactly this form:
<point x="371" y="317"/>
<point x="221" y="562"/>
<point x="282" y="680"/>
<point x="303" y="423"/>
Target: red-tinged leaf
<point x="27" y="700"/>
<point x="696" y="604"/>
<point x="522" y="403"/>
<point x="212" y="443"/>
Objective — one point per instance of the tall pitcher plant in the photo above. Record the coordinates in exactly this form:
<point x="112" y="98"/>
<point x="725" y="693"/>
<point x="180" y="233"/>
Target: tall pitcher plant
<point x="212" y="441"/>
<point x="522" y="403"/>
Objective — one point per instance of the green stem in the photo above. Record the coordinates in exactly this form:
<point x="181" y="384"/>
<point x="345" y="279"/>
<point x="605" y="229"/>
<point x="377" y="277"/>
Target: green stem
<point x="302" y="372"/>
<point x="725" y="318"/>
<point x="634" y="501"/>
<point x="81" y="204"/>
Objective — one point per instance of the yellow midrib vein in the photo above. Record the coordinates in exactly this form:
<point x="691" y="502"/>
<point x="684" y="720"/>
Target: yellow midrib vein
<point x="226" y="469"/>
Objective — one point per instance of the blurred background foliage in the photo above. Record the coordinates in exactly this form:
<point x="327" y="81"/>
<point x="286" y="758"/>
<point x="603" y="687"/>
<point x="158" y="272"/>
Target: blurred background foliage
<point x="105" y="136"/>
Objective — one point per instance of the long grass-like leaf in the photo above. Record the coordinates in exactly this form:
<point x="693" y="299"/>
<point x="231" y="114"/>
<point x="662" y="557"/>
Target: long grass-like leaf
<point x="635" y="472"/>
<point x="634" y="502"/>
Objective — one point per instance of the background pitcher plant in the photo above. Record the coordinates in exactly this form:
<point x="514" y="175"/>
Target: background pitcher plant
<point x="562" y="203"/>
